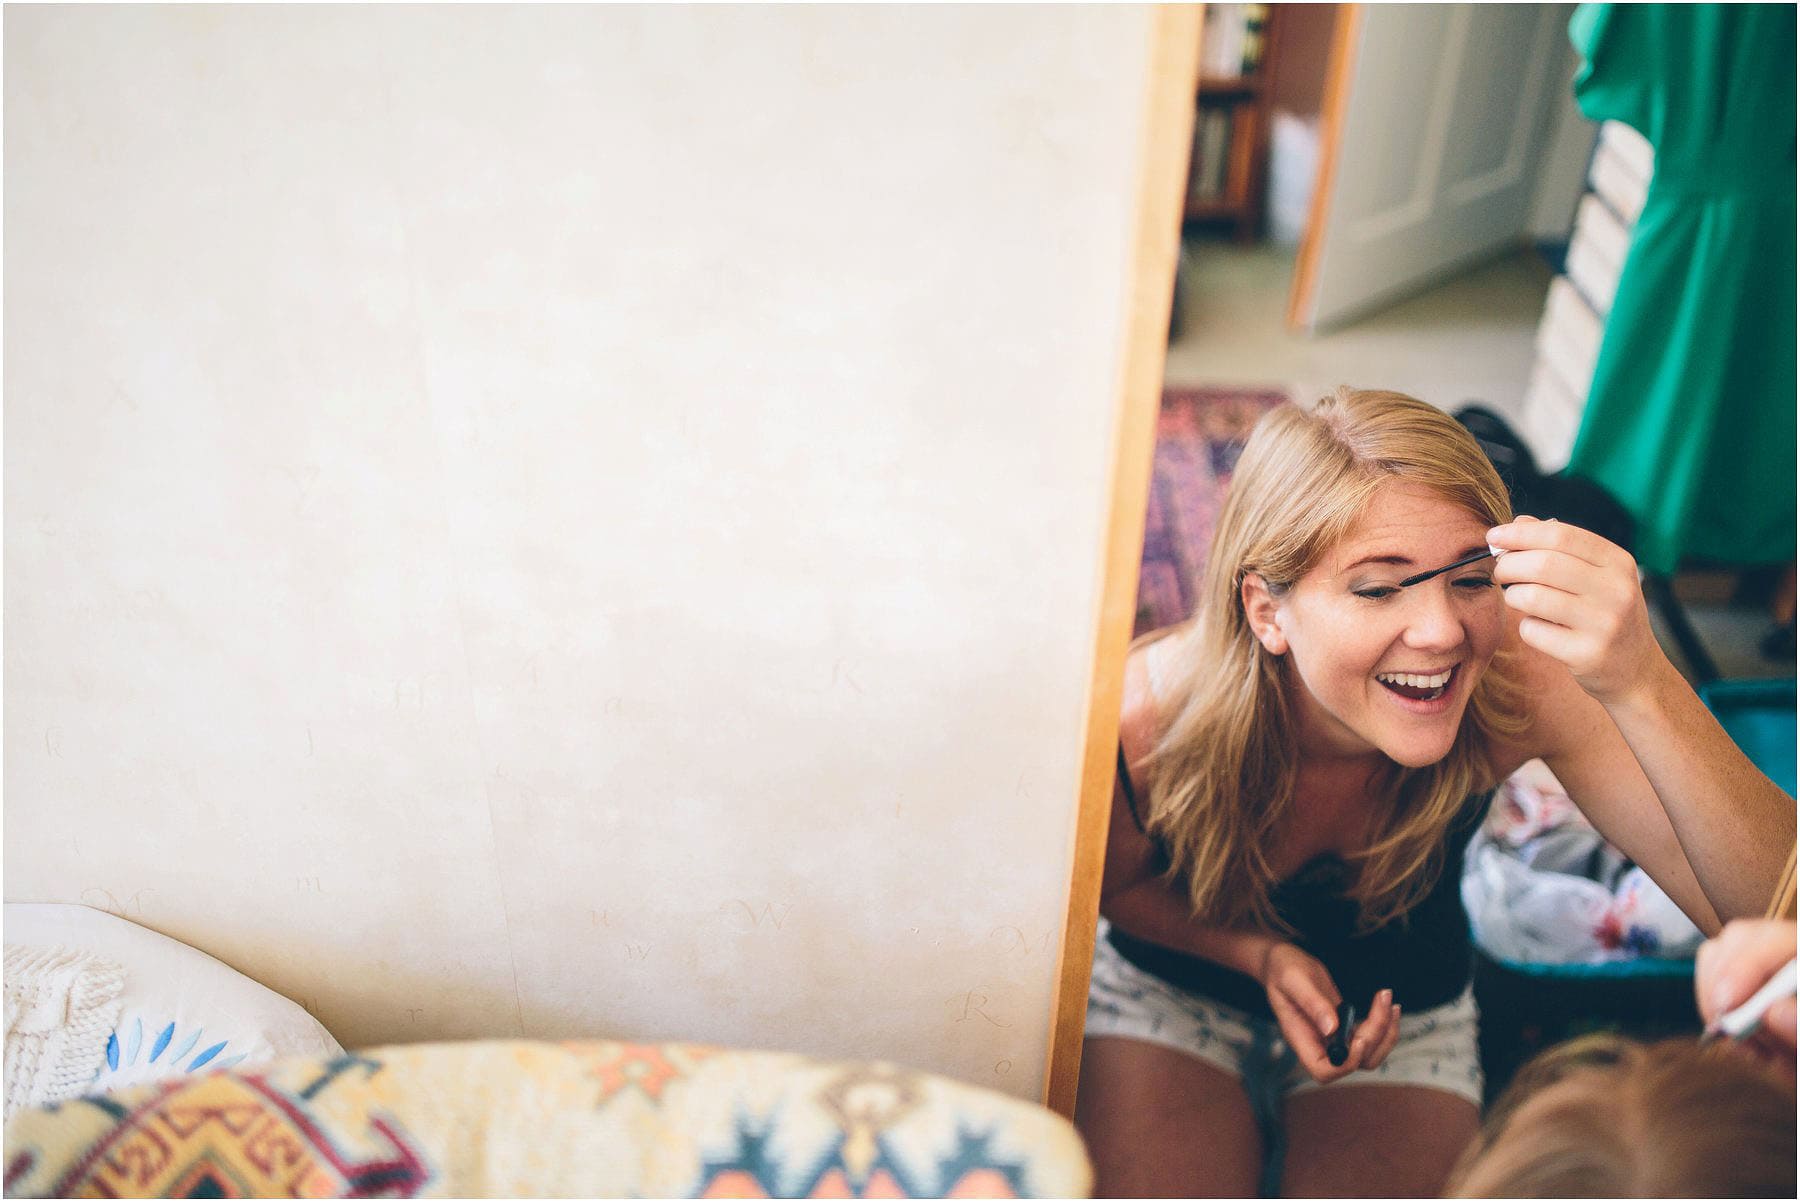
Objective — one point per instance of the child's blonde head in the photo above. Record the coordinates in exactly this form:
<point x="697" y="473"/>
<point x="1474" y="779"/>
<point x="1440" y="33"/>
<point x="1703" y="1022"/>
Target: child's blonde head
<point x="1603" y="1116"/>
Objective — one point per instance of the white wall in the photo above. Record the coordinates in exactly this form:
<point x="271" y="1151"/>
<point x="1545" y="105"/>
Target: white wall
<point x="569" y="520"/>
<point x="1563" y="171"/>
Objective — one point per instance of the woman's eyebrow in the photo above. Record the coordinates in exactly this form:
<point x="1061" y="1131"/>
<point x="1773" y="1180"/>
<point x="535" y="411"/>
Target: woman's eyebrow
<point x="1399" y="560"/>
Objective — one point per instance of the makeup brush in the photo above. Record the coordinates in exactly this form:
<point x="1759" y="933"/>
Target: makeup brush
<point x="1422" y="577"/>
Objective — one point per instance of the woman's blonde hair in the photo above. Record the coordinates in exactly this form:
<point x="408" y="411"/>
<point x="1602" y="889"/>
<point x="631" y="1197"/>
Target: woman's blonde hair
<point x="1222" y="776"/>
<point x="1603" y="1116"/>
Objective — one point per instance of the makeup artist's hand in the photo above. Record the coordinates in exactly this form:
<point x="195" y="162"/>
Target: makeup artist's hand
<point x="1733" y="964"/>
<point x="1581" y="601"/>
<point x="1305" y="1000"/>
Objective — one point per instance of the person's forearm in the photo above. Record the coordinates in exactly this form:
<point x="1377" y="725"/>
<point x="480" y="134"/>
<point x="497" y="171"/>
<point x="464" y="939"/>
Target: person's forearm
<point x="1735" y="825"/>
<point x="1152" y="911"/>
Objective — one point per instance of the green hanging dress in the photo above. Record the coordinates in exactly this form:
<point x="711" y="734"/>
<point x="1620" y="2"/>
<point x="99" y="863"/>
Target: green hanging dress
<point x="1690" y="419"/>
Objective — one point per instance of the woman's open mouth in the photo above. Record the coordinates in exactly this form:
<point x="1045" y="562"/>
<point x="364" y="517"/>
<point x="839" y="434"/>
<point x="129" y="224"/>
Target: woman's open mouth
<point x="1419" y="687"/>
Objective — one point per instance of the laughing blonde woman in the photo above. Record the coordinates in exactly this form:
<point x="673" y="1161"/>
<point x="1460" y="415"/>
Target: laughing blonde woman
<point x="1300" y="766"/>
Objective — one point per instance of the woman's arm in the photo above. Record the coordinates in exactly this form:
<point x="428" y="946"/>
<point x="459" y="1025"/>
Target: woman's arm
<point x="1634" y="746"/>
<point x="1152" y="911"/>
<point x="1138" y="899"/>
<point x="1134" y="895"/>
<point x="1300" y="990"/>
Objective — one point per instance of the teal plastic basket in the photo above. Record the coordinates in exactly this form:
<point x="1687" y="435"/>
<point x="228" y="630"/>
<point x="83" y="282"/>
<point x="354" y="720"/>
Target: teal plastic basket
<point x="1759" y="717"/>
<point x="1527" y="1007"/>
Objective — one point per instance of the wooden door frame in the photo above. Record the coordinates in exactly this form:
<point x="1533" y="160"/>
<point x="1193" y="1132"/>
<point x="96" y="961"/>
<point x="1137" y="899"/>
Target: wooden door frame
<point x="1336" y="103"/>
<point x="1168" y="134"/>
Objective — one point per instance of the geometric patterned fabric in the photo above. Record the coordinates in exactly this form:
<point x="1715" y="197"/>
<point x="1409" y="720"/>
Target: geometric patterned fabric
<point x="518" y="1118"/>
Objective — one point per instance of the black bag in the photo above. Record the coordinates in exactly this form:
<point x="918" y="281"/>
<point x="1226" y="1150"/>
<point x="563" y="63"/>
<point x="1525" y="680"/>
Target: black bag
<point x="1573" y="499"/>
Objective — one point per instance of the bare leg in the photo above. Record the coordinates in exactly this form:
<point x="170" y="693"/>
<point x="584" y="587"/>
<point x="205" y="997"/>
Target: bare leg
<point x="1163" y="1124"/>
<point x="1374" y="1141"/>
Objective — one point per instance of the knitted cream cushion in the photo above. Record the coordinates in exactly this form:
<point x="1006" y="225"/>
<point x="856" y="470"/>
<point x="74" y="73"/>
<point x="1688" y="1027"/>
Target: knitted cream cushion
<point x="179" y="1010"/>
<point x="61" y="1005"/>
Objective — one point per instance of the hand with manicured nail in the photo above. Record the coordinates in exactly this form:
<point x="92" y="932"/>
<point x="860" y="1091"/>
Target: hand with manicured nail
<point x="1580" y="602"/>
<point x="1306" y="1000"/>
<point x="1381" y="1030"/>
<point x="1733" y="964"/>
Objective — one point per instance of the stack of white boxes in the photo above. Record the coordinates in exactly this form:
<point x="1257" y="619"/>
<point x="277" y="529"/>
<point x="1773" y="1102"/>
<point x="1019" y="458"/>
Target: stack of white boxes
<point x="1568" y="336"/>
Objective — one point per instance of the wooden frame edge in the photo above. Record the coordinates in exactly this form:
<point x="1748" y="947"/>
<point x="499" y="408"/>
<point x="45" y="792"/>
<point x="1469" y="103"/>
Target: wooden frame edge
<point x="1161" y="194"/>
<point x="1338" y="69"/>
<point x="1781" y="905"/>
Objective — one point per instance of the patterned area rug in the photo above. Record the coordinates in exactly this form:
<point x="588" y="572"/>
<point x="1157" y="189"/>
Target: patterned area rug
<point x="1199" y="436"/>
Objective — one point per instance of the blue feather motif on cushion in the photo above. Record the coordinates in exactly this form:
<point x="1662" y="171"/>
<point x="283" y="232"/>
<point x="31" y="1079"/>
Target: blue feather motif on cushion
<point x="207" y="1055"/>
<point x="123" y="1054"/>
<point x="187" y="1045"/>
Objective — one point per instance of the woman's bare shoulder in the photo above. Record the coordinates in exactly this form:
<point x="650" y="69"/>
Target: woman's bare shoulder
<point x="1145" y="702"/>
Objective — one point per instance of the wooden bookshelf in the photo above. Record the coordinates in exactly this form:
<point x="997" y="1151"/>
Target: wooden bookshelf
<point x="1229" y="89"/>
<point x="1229" y="168"/>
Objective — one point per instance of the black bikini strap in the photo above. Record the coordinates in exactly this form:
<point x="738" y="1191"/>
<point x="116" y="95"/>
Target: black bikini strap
<point x="1130" y="793"/>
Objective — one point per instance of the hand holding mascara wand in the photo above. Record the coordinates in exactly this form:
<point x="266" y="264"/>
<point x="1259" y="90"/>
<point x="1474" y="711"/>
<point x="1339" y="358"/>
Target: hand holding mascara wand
<point x="1742" y="1000"/>
<point x="1745" y="1020"/>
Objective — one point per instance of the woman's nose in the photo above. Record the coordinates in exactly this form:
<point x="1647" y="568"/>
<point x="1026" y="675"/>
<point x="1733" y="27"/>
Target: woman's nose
<point x="1432" y="622"/>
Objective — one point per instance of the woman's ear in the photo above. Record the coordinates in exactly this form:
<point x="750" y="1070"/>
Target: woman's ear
<point x="1260" y="611"/>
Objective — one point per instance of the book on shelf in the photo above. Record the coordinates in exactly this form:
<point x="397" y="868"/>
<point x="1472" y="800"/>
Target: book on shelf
<point x="1256" y="41"/>
<point x="1233" y="38"/>
<point x="1212" y="152"/>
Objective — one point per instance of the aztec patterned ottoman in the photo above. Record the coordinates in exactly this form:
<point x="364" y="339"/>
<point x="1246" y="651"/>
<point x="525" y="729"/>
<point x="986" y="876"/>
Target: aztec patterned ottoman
<point x="521" y="1118"/>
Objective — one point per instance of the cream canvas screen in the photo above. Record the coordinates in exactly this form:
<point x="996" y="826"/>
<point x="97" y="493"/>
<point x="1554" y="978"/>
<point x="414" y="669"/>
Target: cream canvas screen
<point x="570" y="521"/>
